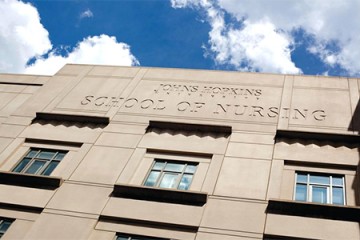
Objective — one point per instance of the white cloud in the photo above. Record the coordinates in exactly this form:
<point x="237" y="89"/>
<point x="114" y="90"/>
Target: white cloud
<point x="327" y="22"/>
<point x="95" y="50"/>
<point x="86" y="14"/>
<point x="256" y="46"/>
<point x="23" y="37"/>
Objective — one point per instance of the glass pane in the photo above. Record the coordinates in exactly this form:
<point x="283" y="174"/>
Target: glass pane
<point x="174" y="167"/>
<point x="338" y="195"/>
<point x="4" y="226"/>
<point x="301" y="192"/>
<point x="50" y="168"/>
<point x="301" y="177"/>
<point x="32" y="153"/>
<point x="22" y="165"/>
<point x="35" y="166"/>
<point x="46" y="154"/>
<point x="190" y="168"/>
<point x="60" y="156"/>
<point x="159" y="165"/>
<point x="169" y="180"/>
<point x="320" y="179"/>
<point x="319" y="194"/>
<point x="152" y="178"/>
<point x="185" y="182"/>
<point x="337" y="181"/>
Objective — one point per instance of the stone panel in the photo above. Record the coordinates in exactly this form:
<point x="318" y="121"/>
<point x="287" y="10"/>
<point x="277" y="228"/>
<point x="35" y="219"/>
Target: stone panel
<point x="214" y="76"/>
<point x="25" y="196"/>
<point x="145" y="230"/>
<point x="6" y="98"/>
<point x="113" y="71"/>
<point x="19" y="100"/>
<point x="102" y="165"/>
<point x="118" y="140"/>
<point x="18" y="229"/>
<point x="312" y="228"/>
<point x="4" y="142"/>
<point x="235" y="215"/>
<point x="80" y="198"/>
<point x="245" y="150"/>
<point x="94" y="94"/>
<point x="217" y="101"/>
<point x="320" y="82"/>
<point x="60" y="227"/>
<point x="226" y="236"/>
<point x="331" y="108"/>
<point x="243" y="178"/>
<point x="154" y="211"/>
<point x="252" y="138"/>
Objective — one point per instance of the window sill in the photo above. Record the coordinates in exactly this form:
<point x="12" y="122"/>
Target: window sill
<point x="160" y="194"/>
<point x="29" y="180"/>
<point x="313" y="210"/>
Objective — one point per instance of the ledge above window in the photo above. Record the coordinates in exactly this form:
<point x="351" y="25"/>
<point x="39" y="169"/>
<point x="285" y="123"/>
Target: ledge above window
<point x="313" y="210"/>
<point x="30" y="180"/>
<point x="160" y="194"/>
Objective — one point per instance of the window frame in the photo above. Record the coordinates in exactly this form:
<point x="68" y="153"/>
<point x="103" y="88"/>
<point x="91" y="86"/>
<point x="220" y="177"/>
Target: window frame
<point x="35" y="158"/>
<point x="2" y="221"/>
<point x="329" y="187"/>
<point x="163" y="171"/>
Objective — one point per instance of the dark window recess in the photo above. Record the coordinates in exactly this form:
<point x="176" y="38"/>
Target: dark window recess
<point x="4" y="225"/>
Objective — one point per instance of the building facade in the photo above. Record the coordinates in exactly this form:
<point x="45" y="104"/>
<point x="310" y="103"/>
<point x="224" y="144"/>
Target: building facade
<point x="104" y="152"/>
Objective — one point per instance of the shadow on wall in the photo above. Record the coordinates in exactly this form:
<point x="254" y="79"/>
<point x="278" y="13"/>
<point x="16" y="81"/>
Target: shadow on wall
<point x="355" y="126"/>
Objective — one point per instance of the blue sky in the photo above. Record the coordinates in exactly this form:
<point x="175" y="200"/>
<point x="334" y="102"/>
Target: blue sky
<point x="307" y="37"/>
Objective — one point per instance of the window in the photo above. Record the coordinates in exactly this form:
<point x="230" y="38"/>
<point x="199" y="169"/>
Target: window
<point x="166" y="174"/>
<point x="39" y="161"/>
<point x="4" y="225"/>
<point x="128" y="237"/>
<point x="320" y="188"/>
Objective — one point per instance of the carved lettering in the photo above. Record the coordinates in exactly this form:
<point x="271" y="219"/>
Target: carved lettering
<point x="319" y="115"/>
<point x="87" y="100"/>
<point x="182" y="106"/>
<point x="130" y="102"/>
<point x="298" y="112"/>
<point x="257" y="109"/>
<point x="145" y="104"/>
<point x="273" y="112"/>
<point x="223" y="109"/>
<point x="113" y="102"/>
<point x="100" y="101"/>
<point x="285" y="113"/>
<point x="220" y="106"/>
<point x="196" y="106"/>
<point x="240" y="111"/>
<point x="159" y="105"/>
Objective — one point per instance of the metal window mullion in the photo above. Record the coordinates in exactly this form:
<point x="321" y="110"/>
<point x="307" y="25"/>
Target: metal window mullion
<point x="308" y="190"/>
<point x="42" y="169"/>
<point x="31" y="161"/>
<point x="331" y="191"/>
<point x="29" y="164"/>
<point x="294" y="195"/>
<point x="48" y="161"/>
<point x="161" y="175"/>
<point x="181" y="175"/>
<point x="343" y="187"/>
